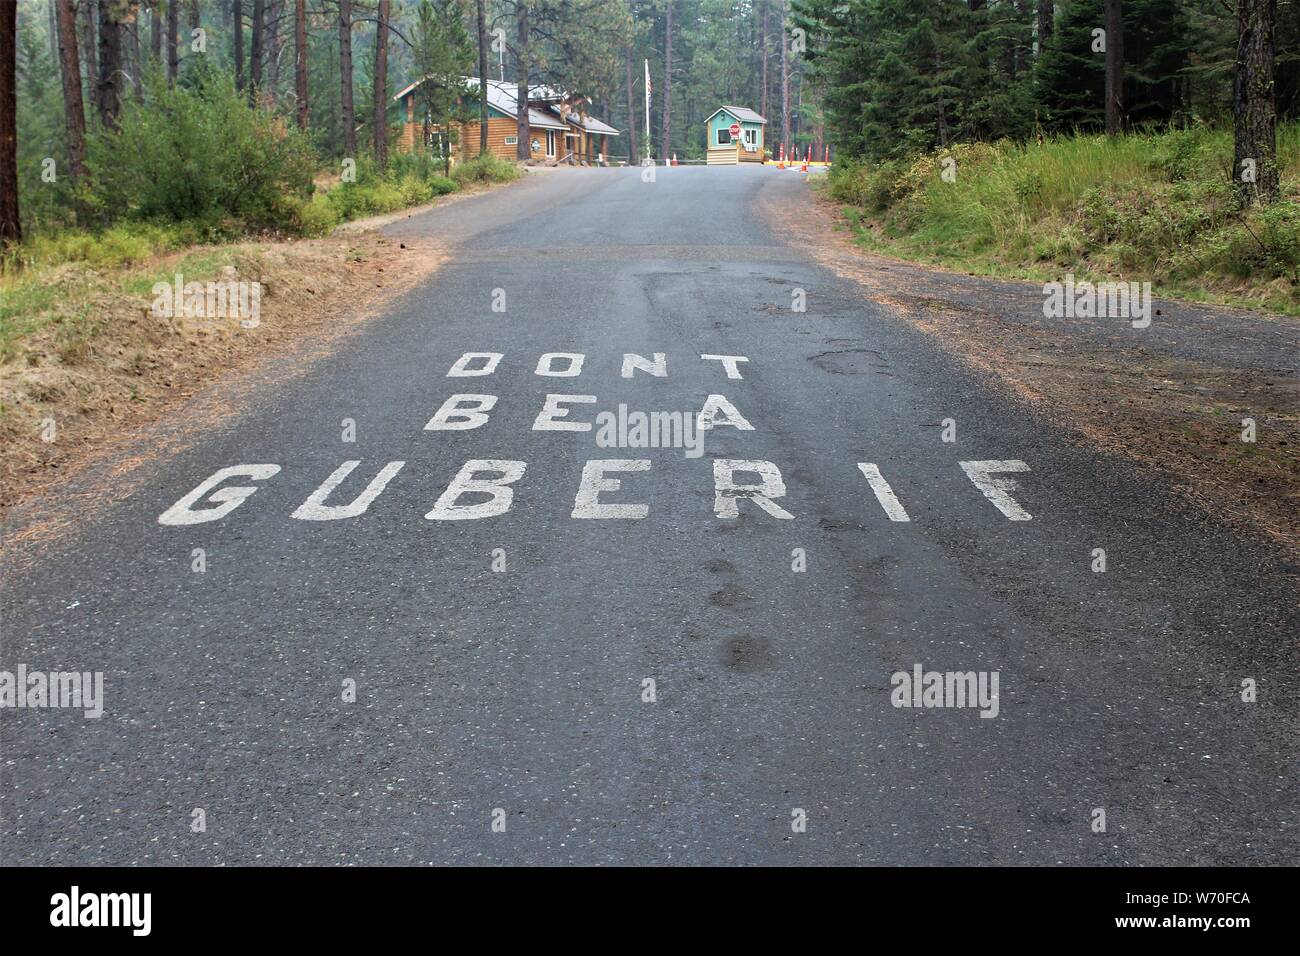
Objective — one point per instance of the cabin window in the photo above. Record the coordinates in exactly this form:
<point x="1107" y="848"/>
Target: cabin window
<point x="724" y="136"/>
<point x="550" y="142"/>
<point x="751" y="137"/>
<point x="512" y="140"/>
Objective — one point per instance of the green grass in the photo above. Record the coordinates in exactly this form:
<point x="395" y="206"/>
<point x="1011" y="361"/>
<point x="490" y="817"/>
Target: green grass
<point x="125" y="244"/>
<point x="34" y="291"/>
<point x="348" y="201"/>
<point x="410" y="180"/>
<point x="47" y="280"/>
<point x="1157" y="207"/>
<point x="24" y="307"/>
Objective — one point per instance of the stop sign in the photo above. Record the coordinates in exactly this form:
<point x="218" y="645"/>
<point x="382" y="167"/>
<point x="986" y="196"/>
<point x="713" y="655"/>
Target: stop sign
<point x="735" y="131"/>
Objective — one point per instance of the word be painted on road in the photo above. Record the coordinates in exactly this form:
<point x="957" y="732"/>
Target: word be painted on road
<point x="485" y="487"/>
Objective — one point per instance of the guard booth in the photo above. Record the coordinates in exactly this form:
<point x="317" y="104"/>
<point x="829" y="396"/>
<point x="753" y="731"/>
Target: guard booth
<point x="735" y="135"/>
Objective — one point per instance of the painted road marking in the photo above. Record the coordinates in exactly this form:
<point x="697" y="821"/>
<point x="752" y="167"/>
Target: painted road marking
<point x="998" y="490"/>
<point x="884" y="494"/>
<point x="496" y="476"/>
<point x="735" y="480"/>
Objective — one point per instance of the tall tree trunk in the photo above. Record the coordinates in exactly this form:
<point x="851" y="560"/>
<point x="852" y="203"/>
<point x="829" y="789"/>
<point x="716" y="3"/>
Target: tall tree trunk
<point x="1254" y="107"/>
<point x="381" y="86"/>
<point x="11" y="229"/>
<point x="522" y="150"/>
<point x="173" y="27"/>
<point x="155" y="31"/>
<point x="74" y="110"/>
<point x="785" y="85"/>
<point x="345" y="80"/>
<point x="943" y="108"/>
<point x="237" y="14"/>
<point x="89" y="11"/>
<point x="300" y="60"/>
<point x="271" y="72"/>
<point x="666" y="127"/>
<point x="482" y="78"/>
<point x="109" y="88"/>
<point x="255" y="52"/>
<point x="137" y="61"/>
<point x="195" y="21"/>
<point x="54" y="30"/>
<point x="632" y="124"/>
<point x="1114" y="67"/>
<point x="1046" y="23"/>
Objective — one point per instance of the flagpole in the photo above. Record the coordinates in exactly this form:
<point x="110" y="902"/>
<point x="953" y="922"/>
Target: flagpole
<point x="648" y="150"/>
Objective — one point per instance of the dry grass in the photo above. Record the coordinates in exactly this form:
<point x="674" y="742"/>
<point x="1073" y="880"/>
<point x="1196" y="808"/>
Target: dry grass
<point x="92" y="357"/>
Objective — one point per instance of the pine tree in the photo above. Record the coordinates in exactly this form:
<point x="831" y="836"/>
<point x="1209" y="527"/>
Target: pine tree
<point x="11" y="230"/>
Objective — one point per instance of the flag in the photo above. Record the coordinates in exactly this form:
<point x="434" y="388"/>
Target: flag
<point x="647" y="76"/>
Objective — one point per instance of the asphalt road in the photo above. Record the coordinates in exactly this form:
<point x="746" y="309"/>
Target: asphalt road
<point x="524" y="690"/>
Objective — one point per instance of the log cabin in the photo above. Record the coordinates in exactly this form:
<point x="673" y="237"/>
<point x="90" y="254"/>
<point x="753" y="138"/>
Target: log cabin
<point x="560" y="128"/>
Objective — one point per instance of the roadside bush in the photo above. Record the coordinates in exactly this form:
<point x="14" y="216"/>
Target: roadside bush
<point x="409" y="180"/>
<point x="442" y="186"/>
<point x="846" y="182"/>
<point x="1281" y="232"/>
<point x="1185" y="153"/>
<point x="316" y="217"/>
<point x="201" y="154"/>
<point x="122" y="245"/>
<point x="488" y="168"/>
<point x="416" y="190"/>
<point x="421" y="165"/>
